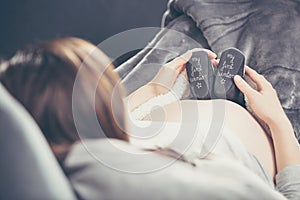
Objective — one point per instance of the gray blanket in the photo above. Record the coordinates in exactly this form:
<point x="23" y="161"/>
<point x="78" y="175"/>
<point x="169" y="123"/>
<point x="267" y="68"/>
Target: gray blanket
<point x="266" y="31"/>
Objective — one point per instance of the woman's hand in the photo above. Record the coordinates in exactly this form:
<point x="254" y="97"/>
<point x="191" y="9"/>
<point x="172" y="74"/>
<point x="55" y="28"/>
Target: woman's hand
<point x="264" y="101"/>
<point x="167" y="75"/>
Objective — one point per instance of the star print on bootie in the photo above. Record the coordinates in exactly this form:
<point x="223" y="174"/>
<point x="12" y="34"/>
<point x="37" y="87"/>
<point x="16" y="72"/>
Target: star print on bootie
<point x="232" y="62"/>
<point x="200" y="75"/>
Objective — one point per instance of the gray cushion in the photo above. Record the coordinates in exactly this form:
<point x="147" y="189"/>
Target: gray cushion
<point x="28" y="168"/>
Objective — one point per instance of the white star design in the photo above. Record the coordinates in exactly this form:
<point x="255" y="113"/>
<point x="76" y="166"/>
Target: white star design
<point x="223" y="81"/>
<point x="199" y="85"/>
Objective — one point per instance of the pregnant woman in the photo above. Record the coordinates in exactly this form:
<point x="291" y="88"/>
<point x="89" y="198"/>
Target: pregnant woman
<point x="241" y="166"/>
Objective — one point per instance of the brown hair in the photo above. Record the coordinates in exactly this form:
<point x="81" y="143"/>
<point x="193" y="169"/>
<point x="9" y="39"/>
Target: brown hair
<point x="42" y="79"/>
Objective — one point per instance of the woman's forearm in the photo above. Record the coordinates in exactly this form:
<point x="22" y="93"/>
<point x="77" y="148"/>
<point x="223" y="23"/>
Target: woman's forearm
<point x="286" y="146"/>
<point x="140" y="96"/>
<point x="162" y="82"/>
<point x="265" y="104"/>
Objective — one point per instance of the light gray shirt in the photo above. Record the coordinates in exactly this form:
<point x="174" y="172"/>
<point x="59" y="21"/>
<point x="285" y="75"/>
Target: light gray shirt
<point x="114" y="169"/>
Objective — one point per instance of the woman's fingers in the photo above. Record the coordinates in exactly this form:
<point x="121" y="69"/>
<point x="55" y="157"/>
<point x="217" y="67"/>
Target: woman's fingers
<point x="244" y="87"/>
<point x="178" y="63"/>
<point x="261" y="82"/>
<point x="215" y="62"/>
<point x="185" y="57"/>
<point x="210" y="54"/>
<point x="258" y="79"/>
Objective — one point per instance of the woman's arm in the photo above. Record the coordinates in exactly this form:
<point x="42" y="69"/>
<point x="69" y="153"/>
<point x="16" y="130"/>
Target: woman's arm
<point x="160" y="84"/>
<point x="266" y="105"/>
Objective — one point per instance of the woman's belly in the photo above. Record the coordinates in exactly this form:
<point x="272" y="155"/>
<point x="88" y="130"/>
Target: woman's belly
<point x="215" y="116"/>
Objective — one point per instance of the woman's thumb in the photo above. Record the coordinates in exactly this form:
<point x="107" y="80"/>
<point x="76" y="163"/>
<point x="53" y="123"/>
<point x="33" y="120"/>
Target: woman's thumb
<point x="243" y="86"/>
